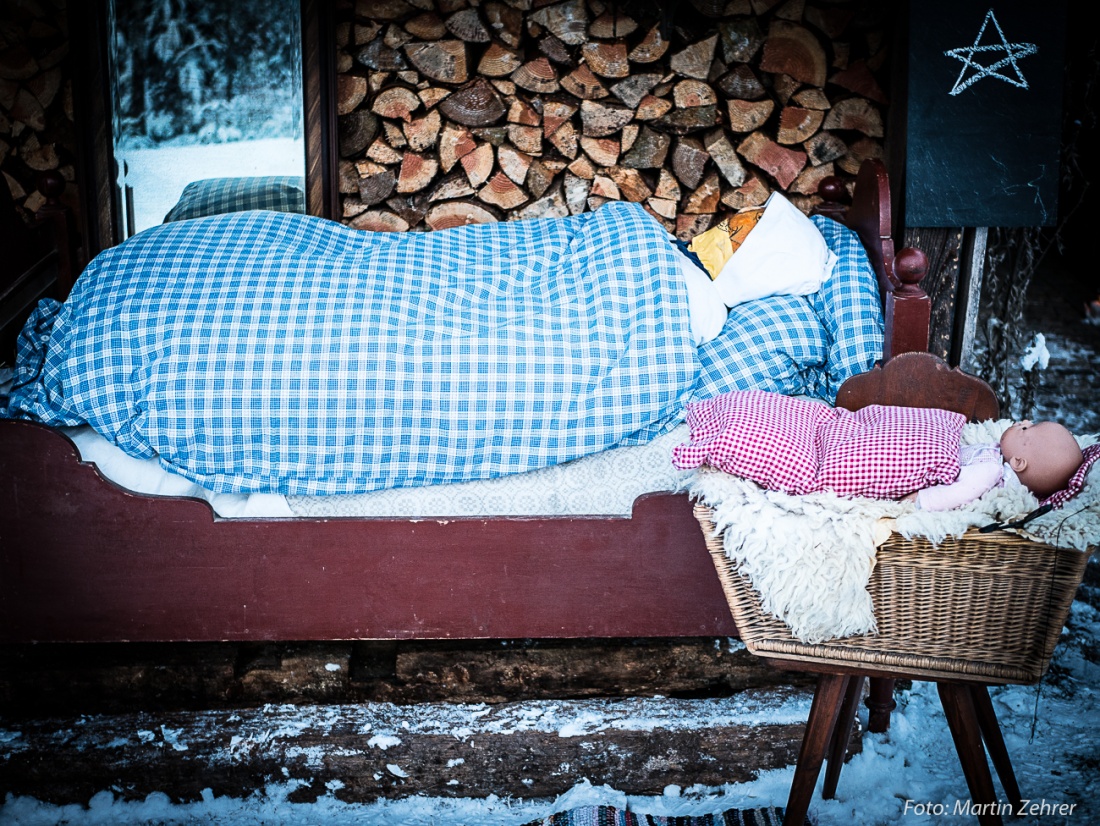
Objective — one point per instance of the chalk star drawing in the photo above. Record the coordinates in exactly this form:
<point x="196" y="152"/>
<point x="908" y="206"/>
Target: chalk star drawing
<point x="1013" y="52"/>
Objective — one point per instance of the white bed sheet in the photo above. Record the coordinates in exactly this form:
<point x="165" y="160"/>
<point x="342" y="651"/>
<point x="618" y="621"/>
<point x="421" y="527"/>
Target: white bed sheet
<point x="602" y="484"/>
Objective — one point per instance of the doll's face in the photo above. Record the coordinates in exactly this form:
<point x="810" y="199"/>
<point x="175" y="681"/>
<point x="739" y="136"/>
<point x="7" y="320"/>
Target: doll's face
<point x="1044" y="455"/>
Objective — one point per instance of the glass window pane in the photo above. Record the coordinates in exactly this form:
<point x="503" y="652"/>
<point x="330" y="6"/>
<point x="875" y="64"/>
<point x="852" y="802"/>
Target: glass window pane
<point x="207" y="91"/>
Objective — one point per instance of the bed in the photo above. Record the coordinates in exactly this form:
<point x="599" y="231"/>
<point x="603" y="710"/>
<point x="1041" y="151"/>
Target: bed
<point x="82" y="559"/>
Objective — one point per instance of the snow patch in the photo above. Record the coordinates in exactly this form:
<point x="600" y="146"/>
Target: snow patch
<point x="1036" y="355"/>
<point x="384" y="741"/>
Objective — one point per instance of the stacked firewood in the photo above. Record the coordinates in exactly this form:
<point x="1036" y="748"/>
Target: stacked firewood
<point x="459" y="111"/>
<point x="36" y="114"/>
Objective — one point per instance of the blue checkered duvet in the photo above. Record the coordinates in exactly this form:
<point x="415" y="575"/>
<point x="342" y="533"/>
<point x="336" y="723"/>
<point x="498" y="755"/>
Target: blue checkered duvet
<point x="262" y="351"/>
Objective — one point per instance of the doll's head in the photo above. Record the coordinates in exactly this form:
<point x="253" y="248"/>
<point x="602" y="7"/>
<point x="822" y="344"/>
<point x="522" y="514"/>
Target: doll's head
<point x="1043" y="455"/>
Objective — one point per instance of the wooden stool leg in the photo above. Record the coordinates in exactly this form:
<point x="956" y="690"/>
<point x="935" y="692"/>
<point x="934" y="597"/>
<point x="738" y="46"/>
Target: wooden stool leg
<point x="995" y="744"/>
<point x="819" y="730"/>
<point x="880" y="702"/>
<point x="958" y="706"/>
<point x="842" y="733"/>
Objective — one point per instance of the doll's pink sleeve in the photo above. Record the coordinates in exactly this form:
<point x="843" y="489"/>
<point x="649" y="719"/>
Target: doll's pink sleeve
<point x="972" y="482"/>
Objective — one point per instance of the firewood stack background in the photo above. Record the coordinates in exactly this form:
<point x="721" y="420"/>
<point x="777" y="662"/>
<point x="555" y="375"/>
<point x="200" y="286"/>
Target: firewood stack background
<point x="459" y="111"/>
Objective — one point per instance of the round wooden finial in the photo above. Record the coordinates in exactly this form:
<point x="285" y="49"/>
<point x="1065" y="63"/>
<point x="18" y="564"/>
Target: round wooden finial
<point x="910" y="266"/>
<point x="51" y="184"/>
<point x="832" y="189"/>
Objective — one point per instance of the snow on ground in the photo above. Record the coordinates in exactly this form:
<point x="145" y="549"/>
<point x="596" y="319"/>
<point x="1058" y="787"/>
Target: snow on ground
<point x="908" y="775"/>
<point x="159" y="175"/>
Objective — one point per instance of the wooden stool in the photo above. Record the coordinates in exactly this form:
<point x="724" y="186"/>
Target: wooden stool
<point x="969" y="713"/>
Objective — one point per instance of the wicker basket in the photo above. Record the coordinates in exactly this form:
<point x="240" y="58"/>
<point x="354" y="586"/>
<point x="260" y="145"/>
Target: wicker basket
<point x="990" y="606"/>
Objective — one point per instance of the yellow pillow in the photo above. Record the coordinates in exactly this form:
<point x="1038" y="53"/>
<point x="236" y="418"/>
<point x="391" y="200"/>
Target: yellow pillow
<point x="713" y="248"/>
<point x="718" y="244"/>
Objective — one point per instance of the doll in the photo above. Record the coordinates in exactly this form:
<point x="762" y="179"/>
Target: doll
<point x="1041" y="456"/>
<point x="799" y="446"/>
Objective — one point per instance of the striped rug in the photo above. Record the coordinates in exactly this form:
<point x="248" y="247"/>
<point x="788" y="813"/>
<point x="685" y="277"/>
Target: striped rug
<point x="611" y="816"/>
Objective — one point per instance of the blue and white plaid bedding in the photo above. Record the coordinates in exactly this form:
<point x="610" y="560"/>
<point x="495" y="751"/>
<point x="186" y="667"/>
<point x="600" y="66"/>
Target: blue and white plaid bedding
<point x="264" y="351"/>
<point x="801" y="344"/>
<point x="214" y="196"/>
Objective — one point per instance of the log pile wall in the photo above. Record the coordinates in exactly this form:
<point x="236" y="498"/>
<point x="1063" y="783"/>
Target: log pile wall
<point x="37" y="133"/>
<point x="459" y="111"/>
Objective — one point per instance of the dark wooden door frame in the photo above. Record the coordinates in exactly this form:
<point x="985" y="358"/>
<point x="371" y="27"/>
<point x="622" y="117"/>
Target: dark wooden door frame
<point x="99" y="201"/>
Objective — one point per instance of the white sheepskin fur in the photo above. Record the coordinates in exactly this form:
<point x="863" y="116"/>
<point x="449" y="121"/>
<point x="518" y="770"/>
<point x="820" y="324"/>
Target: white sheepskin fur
<point x="809" y="557"/>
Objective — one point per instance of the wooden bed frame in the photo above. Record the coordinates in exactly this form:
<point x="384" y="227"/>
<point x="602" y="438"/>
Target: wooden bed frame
<point x="84" y="560"/>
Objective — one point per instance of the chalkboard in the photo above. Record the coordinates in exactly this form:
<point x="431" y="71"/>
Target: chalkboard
<point x="984" y="115"/>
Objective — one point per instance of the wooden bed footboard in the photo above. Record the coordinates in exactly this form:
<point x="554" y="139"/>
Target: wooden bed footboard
<point x="84" y="560"/>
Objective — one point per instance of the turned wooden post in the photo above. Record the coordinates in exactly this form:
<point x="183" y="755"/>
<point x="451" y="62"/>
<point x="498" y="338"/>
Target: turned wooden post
<point x="908" y="308"/>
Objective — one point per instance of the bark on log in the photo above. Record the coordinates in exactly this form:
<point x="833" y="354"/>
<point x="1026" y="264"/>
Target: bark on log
<point x="725" y="158"/>
<point x="478" y="164"/>
<point x="505" y="22"/>
<point x="606" y="59"/>
<point x="416" y="173"/>
<point x="602" y="151"/>
<point x="568" y="21"/>
<point x="598" y="95"/>
<point x="632" y="90"/>
<point x="691" y="93"/>
<point x="602" y="119"/>
<point x="499" y="61"/>
<point x="652" y="108"/>
<point x="689" y="160"/>
<point x="583" y="84"/>
<point x="396" y="103"/>
<point x="781" y="163"/>
<point x="458" y="214"/>
<point x="649" y="150"/>
<point x="467" y="26"/>
<point x="856" y="114"/>
<point x="537" y="76"/>
<point x="379" y="220"/>
<point x="651" y="48"/>
<point x="475" y="104"/>
<point x="695" y="60"/>
<point x="442" y="60"/>
<point x="791" y="49"/>
<point x="797" y="124"/>
<point x="501" y="191"/>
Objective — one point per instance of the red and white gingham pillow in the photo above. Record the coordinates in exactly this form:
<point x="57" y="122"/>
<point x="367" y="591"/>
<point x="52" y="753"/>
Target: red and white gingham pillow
<point x="886" y="452"/>
<point x="767" y="437"/>
<point x="798" y="446"/>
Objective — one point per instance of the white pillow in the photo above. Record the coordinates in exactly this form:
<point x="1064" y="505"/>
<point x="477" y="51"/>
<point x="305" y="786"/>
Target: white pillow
<point x="706" y="312"/>
<point x="784" y="254"/>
